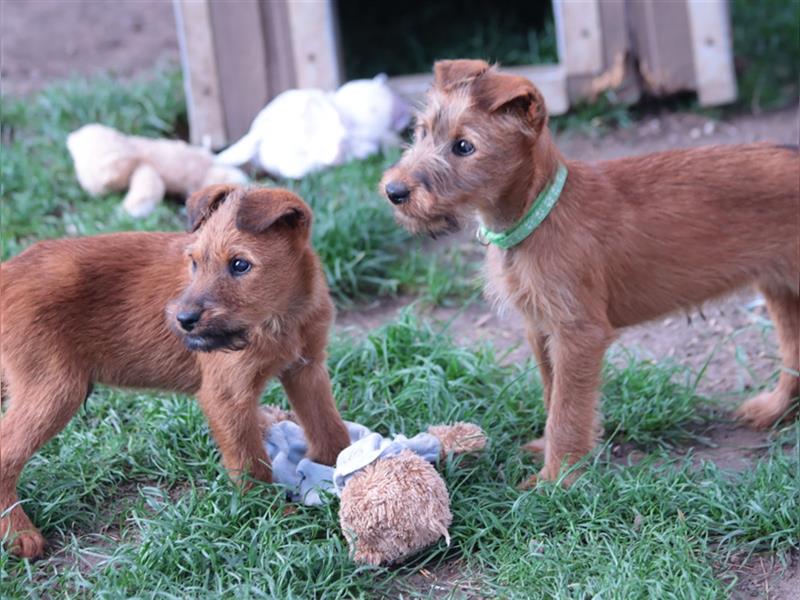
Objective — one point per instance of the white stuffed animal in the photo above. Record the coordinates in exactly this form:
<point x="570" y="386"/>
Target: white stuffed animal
<point x="372" y="115"/>
<point x="299" y="132"/>
<point x="107" y="160"/>
<point x="302" y="131"/>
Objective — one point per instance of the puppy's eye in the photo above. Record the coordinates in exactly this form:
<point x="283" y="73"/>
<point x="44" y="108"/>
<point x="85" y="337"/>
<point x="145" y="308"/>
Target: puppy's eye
<point x="194" y="266"/>
<point x="239" y="266"/>
<point x="463" y="148"/>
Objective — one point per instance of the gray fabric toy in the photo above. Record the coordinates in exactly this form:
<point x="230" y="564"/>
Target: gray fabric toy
<point x="393" y="502"/>
<point x="305" y="479"/>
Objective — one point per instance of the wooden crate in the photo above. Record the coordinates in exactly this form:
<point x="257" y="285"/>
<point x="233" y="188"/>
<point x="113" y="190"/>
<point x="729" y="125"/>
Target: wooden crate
<point x="236" y="56"/>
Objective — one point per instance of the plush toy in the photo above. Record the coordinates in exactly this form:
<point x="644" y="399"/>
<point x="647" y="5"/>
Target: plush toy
<point x="302" y="131"/>
<point x="109" y="161"/>
<point x="393" y="501"/>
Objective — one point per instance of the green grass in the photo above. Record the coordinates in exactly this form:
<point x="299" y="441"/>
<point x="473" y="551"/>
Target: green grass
<point x="41" y="195"/>
<point x="361" y="247"/>
<point x="444" y="277"/>
<point x="135" y="503"/>
<point x="354" y="231"/>
<point x="766" y="44"/>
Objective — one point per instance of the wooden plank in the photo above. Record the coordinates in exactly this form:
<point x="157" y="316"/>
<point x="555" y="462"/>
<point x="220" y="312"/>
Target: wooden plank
<point x="201" y="80"/>
<point x="619" y="71"/>
<point x="579" y="36"/>
<point x="239" y="48"/>
<point x="712" y="49"/>
<point x="315" y="48"/>
<point x="278" y="44"/>
<point x="663" y="45"/>
<point x="550" y="79"/>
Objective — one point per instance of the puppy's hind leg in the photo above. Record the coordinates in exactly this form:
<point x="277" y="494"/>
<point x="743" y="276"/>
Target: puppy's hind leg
<point x="37" y="409"/>
<point x="769" y="407"/>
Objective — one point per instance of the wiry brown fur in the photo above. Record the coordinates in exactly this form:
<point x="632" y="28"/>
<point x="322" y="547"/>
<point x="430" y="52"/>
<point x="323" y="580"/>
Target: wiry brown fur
<point x="102" y="310"/>
<point x="629" y="240"/>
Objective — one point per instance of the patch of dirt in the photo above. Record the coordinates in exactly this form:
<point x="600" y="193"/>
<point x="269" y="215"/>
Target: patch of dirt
<point x="367" y="317"/>
<point x="764" y="577"/>
<point x="731" y="447"/>
<point x="43" y="40"/>
<point x="88" y="548"/>
<point x="731" y="342"/>
<point x="441" y="581"/>
<point x="668" y="131"/>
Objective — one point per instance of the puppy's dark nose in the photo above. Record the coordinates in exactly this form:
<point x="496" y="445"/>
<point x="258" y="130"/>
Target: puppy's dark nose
<point x="189" y="318"/>
<point x="397" y="191"/>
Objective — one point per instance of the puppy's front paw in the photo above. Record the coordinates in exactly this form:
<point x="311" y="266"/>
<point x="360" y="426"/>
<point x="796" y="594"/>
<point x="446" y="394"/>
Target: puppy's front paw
<point x="763" y="411"/>
<point x="268" y="415"/>
<point x="550" y="475"/>
<point x="324" y="455"/>
<point x="529" y="483"/>
<point x="28" y="543"/>
<point x="20" y="535"/>
<point x="535" y="446"/>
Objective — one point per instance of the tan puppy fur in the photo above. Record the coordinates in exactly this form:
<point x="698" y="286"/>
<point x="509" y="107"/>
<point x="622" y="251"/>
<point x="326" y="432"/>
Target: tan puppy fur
<point x="105" y="310"/>
<point x="628" y="241"/>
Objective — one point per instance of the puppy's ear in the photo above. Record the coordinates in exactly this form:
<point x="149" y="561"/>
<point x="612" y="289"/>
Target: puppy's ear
<point x="449" y="72"/>
<point x="499" y="91"/>
<point x="260" y="209"/>
<point x="203" y="202"/>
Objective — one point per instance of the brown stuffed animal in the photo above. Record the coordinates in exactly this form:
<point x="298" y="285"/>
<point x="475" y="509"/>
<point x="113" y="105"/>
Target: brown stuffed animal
<point x="393" y="501"/>
<point x="107" y="160"/>
<point x="395" y="507"/>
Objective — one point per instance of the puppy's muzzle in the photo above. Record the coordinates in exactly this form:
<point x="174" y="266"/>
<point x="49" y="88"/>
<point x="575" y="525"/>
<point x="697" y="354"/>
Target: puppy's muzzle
<point x="397" y="192"/>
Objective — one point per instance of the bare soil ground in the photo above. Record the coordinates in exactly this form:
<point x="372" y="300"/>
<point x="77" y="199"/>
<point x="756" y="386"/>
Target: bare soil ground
<point x="43" y="40"/>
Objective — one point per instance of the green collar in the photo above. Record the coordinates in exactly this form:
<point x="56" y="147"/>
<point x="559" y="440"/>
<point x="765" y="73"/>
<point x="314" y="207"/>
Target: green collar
<point x="537" y="213"/>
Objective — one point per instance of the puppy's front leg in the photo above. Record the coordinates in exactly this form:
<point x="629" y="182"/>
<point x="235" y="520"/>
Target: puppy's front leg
<point x="572" y="420"/>
<point x="538" y="342"/>
<point x="233" y="415"/>
<point x="309" y="390"/>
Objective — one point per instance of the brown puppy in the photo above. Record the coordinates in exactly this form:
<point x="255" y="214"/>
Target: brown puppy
<point x="627" y="241"/>
<point x="216" y="312"/>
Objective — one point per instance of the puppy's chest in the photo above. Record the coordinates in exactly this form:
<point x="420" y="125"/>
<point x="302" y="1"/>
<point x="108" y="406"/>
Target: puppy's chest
<point x="522" y="282"/>
<point x="280" y="349"/>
